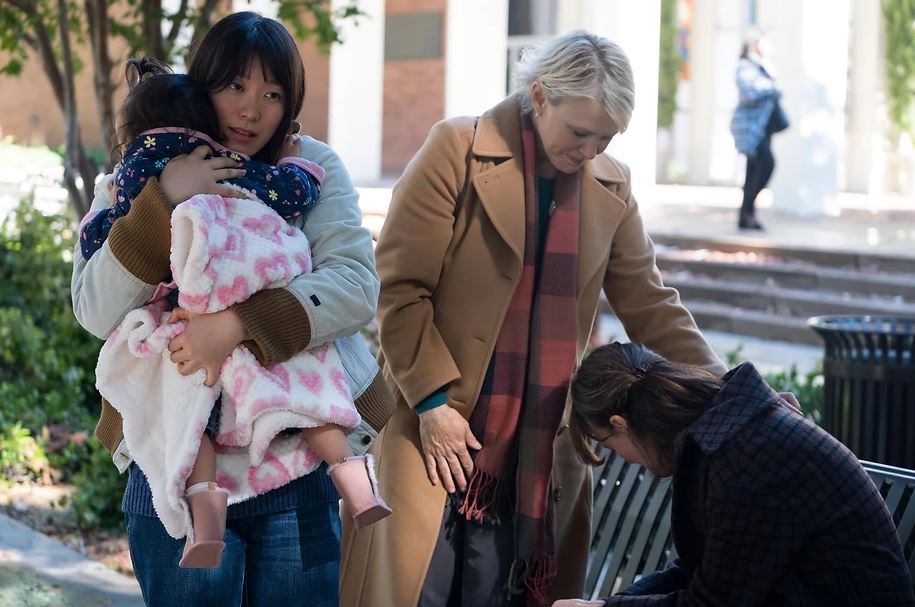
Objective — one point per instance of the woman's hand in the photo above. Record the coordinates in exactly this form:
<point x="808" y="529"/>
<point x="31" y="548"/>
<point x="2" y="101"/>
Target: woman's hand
<point x="189" y="174"/>
<point x="206" y="343"/>
<point x="445" y="436"/>
<point x="290" y="146"/>
<point x="792" y="401"/>
<point x="578" y="603"/>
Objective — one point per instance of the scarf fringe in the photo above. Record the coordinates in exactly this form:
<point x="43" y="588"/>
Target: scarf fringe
<point x="485" y="498"/>
<point x="533" y="576"/>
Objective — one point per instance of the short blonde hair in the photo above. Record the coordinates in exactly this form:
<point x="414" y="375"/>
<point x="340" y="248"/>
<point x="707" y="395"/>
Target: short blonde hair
<point x="579" y="65"/>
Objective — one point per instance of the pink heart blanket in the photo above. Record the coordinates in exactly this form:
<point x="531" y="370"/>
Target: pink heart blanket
<point x="223" y="250"/>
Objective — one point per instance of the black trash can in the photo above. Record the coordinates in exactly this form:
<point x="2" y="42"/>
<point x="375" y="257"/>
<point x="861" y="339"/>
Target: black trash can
<point x="869" y="385"/>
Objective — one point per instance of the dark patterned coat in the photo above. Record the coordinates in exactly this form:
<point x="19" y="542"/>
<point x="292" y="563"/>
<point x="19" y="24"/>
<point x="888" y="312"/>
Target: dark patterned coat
<point x="769" y="509"/>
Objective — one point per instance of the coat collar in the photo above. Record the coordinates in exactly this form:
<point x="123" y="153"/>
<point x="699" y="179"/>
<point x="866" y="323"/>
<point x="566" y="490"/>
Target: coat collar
<point x="499" y="136"/>
<point x="501" y="191"/>
<point x="744" y="395"/>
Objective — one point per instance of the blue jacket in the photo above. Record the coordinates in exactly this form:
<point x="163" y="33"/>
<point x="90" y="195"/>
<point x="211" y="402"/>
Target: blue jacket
<point x="758" y="95"/>
<point x="769" y="509"/>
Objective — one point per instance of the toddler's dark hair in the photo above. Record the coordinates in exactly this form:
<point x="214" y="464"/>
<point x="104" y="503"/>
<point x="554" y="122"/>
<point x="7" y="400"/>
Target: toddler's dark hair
<point x="160" y="98"/>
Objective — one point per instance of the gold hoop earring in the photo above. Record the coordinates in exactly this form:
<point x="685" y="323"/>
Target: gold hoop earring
<point x="294" y="127"/>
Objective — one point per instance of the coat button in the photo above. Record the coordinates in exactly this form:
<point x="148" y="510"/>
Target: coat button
<point x="557" y="493"/>
<point x="366" y="439"/>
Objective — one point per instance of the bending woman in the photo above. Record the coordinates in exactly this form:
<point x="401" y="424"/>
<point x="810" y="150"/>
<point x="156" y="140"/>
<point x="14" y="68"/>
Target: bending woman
<point x="768" y="509"/>
<point x="500" y="236"/>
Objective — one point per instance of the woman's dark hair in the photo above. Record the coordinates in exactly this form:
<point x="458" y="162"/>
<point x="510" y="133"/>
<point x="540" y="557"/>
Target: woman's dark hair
<point x="230" y="48"/>
<point x="159" y="98"/>
<point x="659" y="399"/>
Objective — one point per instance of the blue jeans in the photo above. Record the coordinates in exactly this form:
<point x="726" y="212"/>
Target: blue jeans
<point x="284" y="559"/>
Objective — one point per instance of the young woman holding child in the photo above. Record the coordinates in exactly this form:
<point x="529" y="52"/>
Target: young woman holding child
<point x="282" y="545"/>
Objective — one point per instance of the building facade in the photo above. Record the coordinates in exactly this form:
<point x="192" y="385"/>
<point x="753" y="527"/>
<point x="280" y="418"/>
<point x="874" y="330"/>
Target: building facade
<point x="410" y="63"/>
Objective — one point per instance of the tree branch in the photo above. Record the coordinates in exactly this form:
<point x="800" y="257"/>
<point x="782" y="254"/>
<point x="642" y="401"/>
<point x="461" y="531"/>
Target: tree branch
<point x="75" y="160"/>
<point x="97" y="17"/>
<point x="177" y="21"/>
<point x="41" y="44"/>
<point x="203" y="22"/>
<point x="152" y="27"/>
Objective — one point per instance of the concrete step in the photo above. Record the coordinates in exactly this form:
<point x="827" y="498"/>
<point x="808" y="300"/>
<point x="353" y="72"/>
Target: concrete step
<point x="796" y="303"/>
<point x="711" y="316"/>
<point x="856" y="260"/>
<point x="721" y="317"/>
<point x="792" y="274"/>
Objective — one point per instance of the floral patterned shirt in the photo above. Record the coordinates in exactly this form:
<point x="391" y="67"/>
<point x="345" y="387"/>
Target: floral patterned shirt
<point x="290" y="188"/>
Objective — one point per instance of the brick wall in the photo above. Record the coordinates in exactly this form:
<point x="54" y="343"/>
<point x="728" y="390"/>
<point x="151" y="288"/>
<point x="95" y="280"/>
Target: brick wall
<point x="414" y="93"/>
<point x="30" y="114"/>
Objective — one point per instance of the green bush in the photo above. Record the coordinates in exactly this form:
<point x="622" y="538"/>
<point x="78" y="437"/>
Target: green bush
<point x="47" y="361"/>
<point x="96" y="501"/>
<point x="807" y="387"/>
<point x="47" y="365"/>
<point x="21" y="457"/>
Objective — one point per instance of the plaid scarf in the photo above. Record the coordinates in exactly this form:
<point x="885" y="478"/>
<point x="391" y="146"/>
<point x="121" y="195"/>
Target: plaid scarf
<point x="524" y="393"/>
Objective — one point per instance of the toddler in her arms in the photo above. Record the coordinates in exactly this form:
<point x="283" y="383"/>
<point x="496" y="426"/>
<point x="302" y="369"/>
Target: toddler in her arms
<point x="223" y="249"/>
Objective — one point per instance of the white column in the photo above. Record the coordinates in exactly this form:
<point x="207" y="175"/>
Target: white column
<point x="702" y="85"/>
<point x="725" y="164"/>
<point x="357" y="91"/>
<point x="866" y="130"/>
<point x="476" y="55"/>
<point x="636" y="27"/>
<point x="570" y="15"/>
<point x="812" y="72"/>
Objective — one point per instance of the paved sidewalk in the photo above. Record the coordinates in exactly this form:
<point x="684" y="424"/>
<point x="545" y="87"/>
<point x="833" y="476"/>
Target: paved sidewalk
<point x="876" y="226"/>
<point x="890" y="232"/>
<point x="36" y="571"/>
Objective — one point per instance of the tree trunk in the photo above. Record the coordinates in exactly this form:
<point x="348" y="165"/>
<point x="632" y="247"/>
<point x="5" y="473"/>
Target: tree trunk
<point x="152" y="28"/>
<point x="77" y="165"/>
<point x="97" y="18"/>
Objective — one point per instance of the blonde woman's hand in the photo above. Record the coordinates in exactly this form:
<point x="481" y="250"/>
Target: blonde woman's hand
<point x="792" y="401"/>
<point x="206" y="342"/>
<point x="446" y="436"/>
<point x="189" y="174"/>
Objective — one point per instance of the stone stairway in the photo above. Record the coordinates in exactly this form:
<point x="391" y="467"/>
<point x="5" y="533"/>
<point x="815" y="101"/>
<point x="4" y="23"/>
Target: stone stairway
<point x="769" y="291"/>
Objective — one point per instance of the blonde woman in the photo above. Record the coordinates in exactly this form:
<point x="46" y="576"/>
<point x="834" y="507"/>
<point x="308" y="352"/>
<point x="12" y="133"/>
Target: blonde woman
<point x="501" y="234"/>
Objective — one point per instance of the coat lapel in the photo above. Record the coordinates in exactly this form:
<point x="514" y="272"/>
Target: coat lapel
<point x="601" y="210"/>
<point x="501" y="188"/>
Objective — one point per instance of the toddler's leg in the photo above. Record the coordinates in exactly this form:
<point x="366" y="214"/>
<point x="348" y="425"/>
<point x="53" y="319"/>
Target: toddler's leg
<point x="205" y="464"/>
<point x="354" y="477"/>
<point x="329" y="442"/>
<point x="208" y="504"/>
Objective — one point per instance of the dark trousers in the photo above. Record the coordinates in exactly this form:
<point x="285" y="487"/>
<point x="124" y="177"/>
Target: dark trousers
<point x="470" y="564"/>
<point x="760" y="165"/>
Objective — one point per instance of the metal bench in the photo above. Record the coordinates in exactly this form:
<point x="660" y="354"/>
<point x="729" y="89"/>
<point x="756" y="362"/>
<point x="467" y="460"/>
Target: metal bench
<point x="897" y="486"/>
<point x="631" y="533"/>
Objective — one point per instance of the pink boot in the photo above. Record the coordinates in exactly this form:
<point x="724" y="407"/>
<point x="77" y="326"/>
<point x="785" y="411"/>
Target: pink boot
<point x="208" y="505"/>
<point x="355" y="479"/>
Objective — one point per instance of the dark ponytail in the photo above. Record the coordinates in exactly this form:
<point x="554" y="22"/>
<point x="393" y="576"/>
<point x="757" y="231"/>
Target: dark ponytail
<point x="159" y="98"/>
<point x="659" y="399"/>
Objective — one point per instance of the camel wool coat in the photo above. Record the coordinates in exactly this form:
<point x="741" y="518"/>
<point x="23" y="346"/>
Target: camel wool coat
<point x="449" y="257"/>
